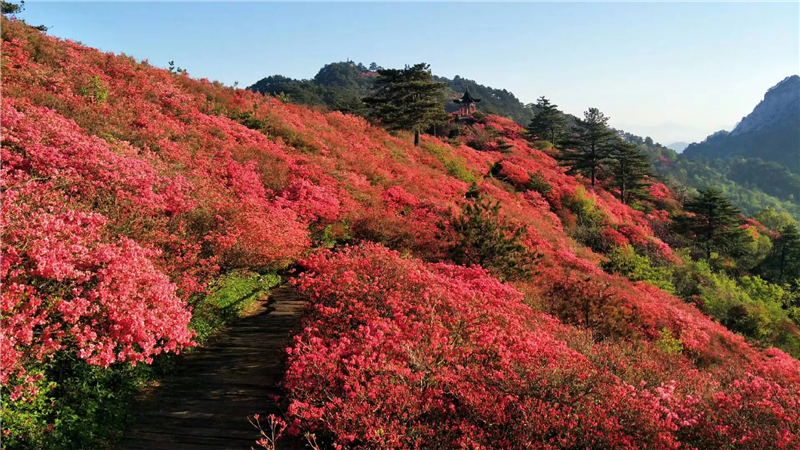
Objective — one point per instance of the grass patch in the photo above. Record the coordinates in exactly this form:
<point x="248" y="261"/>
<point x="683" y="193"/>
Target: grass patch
<point x="231" y="296"/>
<point x="454" y="165"/>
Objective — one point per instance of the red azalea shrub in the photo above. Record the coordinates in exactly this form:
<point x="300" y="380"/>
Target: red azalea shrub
<point x="127" y="188"/>
<point x="401" y="354"/>
<point x="64" y="287"/>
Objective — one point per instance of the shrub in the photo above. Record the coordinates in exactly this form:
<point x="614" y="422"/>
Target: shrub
<point x="455" y="166"/>
<point x="668" y="344"/>
<point x="625" y="261"/>
<point x="539" y="184"/>
<point x="589" y="218"/>
<point x="542" y="145"/>
<point x="480" y="236"/>
<point x="480" y="138"/>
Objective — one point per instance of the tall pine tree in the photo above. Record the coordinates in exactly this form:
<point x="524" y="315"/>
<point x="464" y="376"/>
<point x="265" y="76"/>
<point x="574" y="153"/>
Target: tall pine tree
<point x="549" y="123"/>
<point x="407" y="99"/>
<point x="588" y="145"/>
<point x="630" y="171"/>
<point x="782" y="264"/>
<point x="714" y="225"/>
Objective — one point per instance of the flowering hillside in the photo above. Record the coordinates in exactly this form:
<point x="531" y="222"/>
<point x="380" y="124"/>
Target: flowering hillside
<point x="127" y="189"/>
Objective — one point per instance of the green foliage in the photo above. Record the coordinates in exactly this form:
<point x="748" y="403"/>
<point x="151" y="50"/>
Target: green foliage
<point x="11" y="9"/>
<point x="587" y="145"/>
<point x="539" y="184"/>
<point x="95" y="89"/>
<point x="750" y="306"/>
<point x="481" y="237"/>
<point x="714" y="225"/>
<point x="480" y="137"/>
<point x="407" y="99"/>
<point x="493" y="101"/>
<point x="590" y="220"/>
<point x="453" y="164"/>
<point x="339" y="86"/>
<point x="542" y="145"/>
<point x="668" y="343"/>
<point x="630" y="171"/>
<point x="230" y="295"/>
<point x="625" y="261"/>
<point x="335" y="234"/>
<point x="750" y="184"/>
<point x="549" y="123"/>
<point x="478" y="115"/>
<point x="78" y="406"/>
<point x="774" y="220"/>
<point x="782" y="263"/>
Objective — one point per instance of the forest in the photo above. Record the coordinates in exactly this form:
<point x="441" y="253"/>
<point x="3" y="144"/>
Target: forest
<point x="519" y="278"/>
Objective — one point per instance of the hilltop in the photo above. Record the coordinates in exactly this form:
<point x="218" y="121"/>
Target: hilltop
<point x="341" y="85"/>
<point x="129" y="191"/>
<point x="771" y="132"/>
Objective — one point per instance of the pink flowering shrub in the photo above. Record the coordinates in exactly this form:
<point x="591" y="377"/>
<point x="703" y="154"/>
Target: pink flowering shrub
<point x="64" y="287"/>
<point x="398" y="353"/>
<point x="128" y="189"/>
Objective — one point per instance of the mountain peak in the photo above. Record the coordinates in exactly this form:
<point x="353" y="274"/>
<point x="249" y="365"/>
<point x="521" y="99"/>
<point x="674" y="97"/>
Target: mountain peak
<point x="771" y="132"/>
<point x="780" y="102"/>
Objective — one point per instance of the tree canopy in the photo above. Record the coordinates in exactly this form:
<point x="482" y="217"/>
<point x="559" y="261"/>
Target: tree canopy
<point x="407" y="99"/>
<point x="549" y="123"/>
<point x="630" y="171"/>
<point x="713" y="225"/>
<point x="587" y="145"/>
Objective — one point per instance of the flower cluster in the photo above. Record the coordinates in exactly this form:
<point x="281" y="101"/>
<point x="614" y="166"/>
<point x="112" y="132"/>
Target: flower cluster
<point x="127" y="188"/>
<point x="398" y="353"/>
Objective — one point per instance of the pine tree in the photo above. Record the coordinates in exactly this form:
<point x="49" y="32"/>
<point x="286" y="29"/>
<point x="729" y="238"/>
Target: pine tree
<point x="782" y="264"/>
<point x="407" y="99"/>
<point x="715" y="225"/>
<point x="588" y="145"/>
<point x="630" y="171"/>
<point x="11" y="9"/>
<point x="548" y="123"/>
<point x="481" y="236"/>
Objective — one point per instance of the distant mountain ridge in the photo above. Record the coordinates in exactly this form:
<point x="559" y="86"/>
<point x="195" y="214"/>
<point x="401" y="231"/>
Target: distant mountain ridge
<point x="678" y="146"/>
<point x="771" y="132"/>
<point x="340" y="86"/>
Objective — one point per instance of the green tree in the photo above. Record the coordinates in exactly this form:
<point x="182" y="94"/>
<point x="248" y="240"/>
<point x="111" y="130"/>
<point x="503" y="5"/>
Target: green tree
<point x="407" y="99"/>
<point x="630" y="171"/>
<point x="480" y="236"/>
<point x="588" y="145"/>
<point x="11" y="9"/>
<point x="549" y="123"/>
<point x="782" y="264"/>
<point x="774" y="220"/>
<point x="714" y="225"/>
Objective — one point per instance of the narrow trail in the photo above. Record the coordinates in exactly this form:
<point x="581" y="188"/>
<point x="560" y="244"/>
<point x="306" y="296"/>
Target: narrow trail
<point x="206" y="404"/>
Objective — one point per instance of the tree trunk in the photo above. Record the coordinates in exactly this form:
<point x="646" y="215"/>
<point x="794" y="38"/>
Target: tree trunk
<point x="416" y="138"/>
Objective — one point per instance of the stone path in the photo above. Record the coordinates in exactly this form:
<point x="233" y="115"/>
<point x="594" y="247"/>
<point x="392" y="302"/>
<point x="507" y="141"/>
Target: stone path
<point x="235" y="375"/>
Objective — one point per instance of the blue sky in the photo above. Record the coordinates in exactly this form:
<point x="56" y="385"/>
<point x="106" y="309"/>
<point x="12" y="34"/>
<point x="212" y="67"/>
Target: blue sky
<point x="675" y="71"/>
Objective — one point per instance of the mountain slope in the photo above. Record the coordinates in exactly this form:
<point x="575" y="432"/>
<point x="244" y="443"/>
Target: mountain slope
<point x="128" y="189"/>
<point x="341" y="85"/>
<point x="771" y="132"/>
